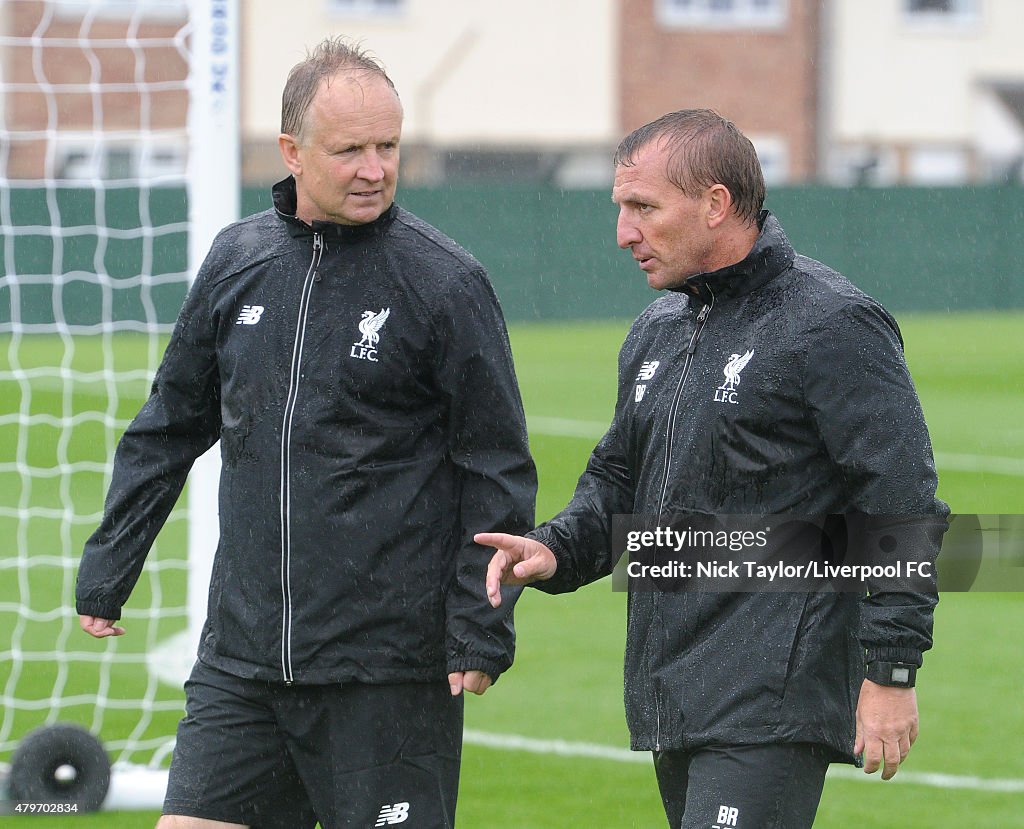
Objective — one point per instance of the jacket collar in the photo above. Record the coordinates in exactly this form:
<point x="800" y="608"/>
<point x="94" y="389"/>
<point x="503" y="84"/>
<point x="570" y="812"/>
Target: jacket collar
<point x="286" y="200"/>
<point x="771" y="255"/>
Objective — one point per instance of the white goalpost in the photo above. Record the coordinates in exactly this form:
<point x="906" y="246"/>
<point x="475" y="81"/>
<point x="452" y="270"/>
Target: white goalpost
<point x="119" y="162"/>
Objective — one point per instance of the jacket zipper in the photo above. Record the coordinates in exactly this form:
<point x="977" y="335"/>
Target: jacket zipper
<point x="286" y="436"/>
<point x="673" y="412"/>
<point x="674" y="408"/>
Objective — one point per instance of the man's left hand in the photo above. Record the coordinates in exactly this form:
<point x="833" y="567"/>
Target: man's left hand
<point x="886" y="726"/>
<point x="474" y="681"/>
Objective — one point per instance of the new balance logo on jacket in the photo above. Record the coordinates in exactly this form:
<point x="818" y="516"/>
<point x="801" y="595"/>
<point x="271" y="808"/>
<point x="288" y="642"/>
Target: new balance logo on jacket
<point x="647" y="370"/>
<point x="646" y="373"/>
<point x="249" y="315"/>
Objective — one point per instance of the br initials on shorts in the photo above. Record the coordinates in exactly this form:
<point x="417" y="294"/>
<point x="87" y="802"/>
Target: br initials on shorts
<point x="728" y="816"/>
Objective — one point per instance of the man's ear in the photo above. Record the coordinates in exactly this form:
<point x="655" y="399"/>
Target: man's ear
<point x="718" y="202"/>
<point x="290" y="153"/>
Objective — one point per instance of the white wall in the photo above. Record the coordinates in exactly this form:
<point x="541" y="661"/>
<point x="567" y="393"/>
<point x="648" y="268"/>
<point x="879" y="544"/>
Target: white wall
<point x="897" y="83"/>
<point x="469" y="72"/>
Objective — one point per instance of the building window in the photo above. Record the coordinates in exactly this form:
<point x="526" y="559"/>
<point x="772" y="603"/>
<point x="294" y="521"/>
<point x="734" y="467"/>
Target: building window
<point x="942" y="12"/>
<point x="937" y="166"/>
<point x="366" y="8"/>
<point x="723" y="14"/>
<point x="91" y="158"/>
<point x="773" y="154"/>
<point x="124" y="9"/>
<point x="863" y="165"/>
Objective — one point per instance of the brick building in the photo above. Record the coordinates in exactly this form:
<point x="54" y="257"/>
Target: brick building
<point x="119" y="102"/>
<point x="840" y="91"/>
<point x="757" y="63"/>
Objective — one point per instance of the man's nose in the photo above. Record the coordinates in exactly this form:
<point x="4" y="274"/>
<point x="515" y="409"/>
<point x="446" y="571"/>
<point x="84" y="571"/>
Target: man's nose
<point x="371" y="168"/>
<point x="626" y="232"/>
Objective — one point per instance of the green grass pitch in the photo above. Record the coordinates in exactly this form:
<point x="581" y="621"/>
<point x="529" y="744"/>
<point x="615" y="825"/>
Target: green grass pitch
<point x="566" y="684"/>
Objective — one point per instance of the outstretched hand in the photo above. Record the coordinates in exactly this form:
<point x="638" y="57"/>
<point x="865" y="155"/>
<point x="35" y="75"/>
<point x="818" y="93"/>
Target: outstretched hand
<point x="518" y="561"/>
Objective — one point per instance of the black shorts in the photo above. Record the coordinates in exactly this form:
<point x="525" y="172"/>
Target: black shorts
<point x="742" y="787"/>
<point x="274" y="756"/>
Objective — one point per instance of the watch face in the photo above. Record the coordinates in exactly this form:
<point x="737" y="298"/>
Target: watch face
<point x="896" y="674"/>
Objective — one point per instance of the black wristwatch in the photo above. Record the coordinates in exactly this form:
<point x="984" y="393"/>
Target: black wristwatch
<point x="894" y="674"/>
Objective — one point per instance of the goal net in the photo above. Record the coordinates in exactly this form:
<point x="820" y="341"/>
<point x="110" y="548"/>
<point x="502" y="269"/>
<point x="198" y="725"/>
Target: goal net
<point x="118" y="163"/>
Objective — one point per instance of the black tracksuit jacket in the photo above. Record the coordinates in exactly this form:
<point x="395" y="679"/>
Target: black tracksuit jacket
<point x="823" y="420"/>
<point x="357" y="462"/>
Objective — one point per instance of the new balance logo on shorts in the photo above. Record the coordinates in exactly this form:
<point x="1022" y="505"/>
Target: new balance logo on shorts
<point x="393" y="813"/>
<point x="250" y="315"/>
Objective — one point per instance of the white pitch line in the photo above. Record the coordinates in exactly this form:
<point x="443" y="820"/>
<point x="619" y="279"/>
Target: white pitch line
<point x="593" y="429"/>
<point x="563" y="427"/>
<point x="562" y="748"/>
<point x="593" y="751"/>
<point x="1013" y="467"/>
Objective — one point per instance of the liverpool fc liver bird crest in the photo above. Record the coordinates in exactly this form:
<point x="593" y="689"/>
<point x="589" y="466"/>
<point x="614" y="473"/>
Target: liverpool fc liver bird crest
<point x="736" y="364"/>
<point x="370" y="325"/>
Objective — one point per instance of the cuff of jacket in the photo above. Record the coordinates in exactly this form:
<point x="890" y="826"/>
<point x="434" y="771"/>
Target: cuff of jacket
<point x="492" y="667"/>
<point x="98" y="610"/>
<point x="564" y="580"/>
<point x="911" y="656"/>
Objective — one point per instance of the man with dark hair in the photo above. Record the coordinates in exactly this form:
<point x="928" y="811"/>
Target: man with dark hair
<point x="351" y="359"/>
<point x="744" y="698"/>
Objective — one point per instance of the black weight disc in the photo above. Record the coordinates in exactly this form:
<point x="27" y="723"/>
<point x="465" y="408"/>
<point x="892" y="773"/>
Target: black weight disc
<point x="60" y="764"/>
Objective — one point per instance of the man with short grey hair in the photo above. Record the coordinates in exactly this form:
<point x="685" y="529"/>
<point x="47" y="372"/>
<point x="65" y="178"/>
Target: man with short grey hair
<point x="350" y="358"/>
